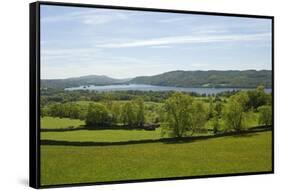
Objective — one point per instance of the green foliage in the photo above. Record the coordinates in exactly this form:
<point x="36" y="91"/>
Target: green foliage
<point x="140" y="119"/>
<point x="217" y="114"/>
<point x="239" y="109"/>
<point x="211" y="108"/>
<point x="178" y="118"/>
<point x="136" y="108"/>
<point x="218" y="108"/>
<point x="153" y="112"/>
<point x="216" y="123"/>
<point x="60" y="96"/>
<point x="251" y="118"/>
<point x="43" y="112"/>
<point x="107" y="101"/>
<point x="241" y="97"/>
<point x="198" y="117"/>
<point x="234" y="114"/>
<point x="97" y="115"/>
<point x="128" y="114"/>
<point x="258" y="98"/>
<point x="116" y="112"/>
<point x="43" y="101"/>
<point x="132" y="113"/>
<point x="265" y="115"/>
<point x="183" y="115"/>
<point x="69" y="110"/>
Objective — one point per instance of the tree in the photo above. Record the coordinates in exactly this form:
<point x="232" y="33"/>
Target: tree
<point x="69" y="110"/>
<point x="217" y="114"/>
<point x="97" y="115"/>
<point x="215" y="122"/>
<point x="140" y="119"/>
<point x="179" y="114"/>
<point x="72" y="110"/>
<point x="128" y="114"/>
<point x="218" y="109"/>
<point x="262" y="97"/>
<point x="234" y="112"/>
<point x="211" y="108"/>
<point x="43" y="101"/>
<point x="258" y="98"/>
<point x="242" y="98"/>
<point x="56" y="110"/>
<point x="115" y="112"/>
<point x="43" y="112"/>
<point x="198" y="117"/>
<point x="108" y="101"/>
<point x="265" y="115"/>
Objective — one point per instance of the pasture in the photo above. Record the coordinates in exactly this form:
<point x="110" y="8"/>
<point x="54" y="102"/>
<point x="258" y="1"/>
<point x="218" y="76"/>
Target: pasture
<point x="115" y="140"/>
<point x="102" y="135"/>
<point x="222" y="155"/>
<point x="60" y="123"/>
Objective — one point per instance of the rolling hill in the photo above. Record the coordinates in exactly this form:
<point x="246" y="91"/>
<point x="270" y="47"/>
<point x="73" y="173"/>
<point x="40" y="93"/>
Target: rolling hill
<point x="179" y="78"/>
<point x="80" y="81"/>
<point x="231" y="78"/>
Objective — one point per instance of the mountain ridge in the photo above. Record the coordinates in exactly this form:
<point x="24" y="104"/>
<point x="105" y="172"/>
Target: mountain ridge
<point x="211" y="78"/>
<point x="80" y="81"/>
<point x="177" y="78"/>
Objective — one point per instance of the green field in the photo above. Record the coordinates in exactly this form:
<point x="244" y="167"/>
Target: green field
<point x="81" y="164"/>
<point x="73" y="152"/>
<point x="102" y="135"/>
<point x="60" y="123"/>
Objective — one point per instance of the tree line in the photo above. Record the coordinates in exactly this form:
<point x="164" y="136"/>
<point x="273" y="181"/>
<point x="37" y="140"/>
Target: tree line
<point x="185" y="115"/>
<point x="50" y="96"/>
<point x="99" y="114"/>
<point x="180" y="114"/>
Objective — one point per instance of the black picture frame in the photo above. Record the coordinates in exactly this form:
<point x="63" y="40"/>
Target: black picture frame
<point x="34" y="90"/>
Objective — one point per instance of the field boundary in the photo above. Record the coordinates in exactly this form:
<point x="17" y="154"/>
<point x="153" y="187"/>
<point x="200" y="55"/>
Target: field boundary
<point x="163" y="140"/>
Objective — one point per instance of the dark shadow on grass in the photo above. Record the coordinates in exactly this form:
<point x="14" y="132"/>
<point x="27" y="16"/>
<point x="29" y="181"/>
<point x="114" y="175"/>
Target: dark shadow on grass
<point x="81" y="127"/>
<point x="247" y="133"/>
<point x="91" y="128"/>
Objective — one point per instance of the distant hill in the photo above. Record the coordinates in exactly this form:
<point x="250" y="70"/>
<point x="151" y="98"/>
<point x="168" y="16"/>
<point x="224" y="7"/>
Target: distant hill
<point x="217" y="79"/>
<point x="212" y="78"/>
<point x="80" y="81"/>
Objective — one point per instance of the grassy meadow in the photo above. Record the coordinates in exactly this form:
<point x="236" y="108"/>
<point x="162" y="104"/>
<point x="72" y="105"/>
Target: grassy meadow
<point x="222" y="155"/>
<point x="60" y="123"/>
<point x="121" y="137"/>
<point x="102" y="135"/>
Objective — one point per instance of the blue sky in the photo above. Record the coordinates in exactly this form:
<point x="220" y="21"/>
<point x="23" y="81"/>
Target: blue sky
<point x="124" y="44"/>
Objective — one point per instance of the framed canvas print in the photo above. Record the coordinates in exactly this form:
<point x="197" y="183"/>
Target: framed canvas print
<point x="125" y="94"/>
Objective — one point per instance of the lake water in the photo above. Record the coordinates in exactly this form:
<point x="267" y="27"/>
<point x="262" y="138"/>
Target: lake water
<point x="144" y="87"/>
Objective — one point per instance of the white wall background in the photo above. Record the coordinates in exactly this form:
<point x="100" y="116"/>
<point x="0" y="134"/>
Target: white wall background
<point x="14" y="39"/>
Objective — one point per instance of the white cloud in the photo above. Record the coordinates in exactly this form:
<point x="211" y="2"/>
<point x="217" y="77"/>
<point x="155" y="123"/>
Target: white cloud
<point x="64" y="63"/>
<point x="112" y="68"/>
<point x="177" y="19"/>
<point x="161" y="47"/>
<point x="186" y="40"/>
<point x="92" y="17"/>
